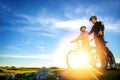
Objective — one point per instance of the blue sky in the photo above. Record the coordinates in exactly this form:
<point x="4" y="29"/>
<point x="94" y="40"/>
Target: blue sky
<point x="37" y="33"/>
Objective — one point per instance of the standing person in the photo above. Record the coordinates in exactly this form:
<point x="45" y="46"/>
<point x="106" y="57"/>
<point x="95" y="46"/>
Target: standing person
<point x="98" y="30"/>
<point x="85" y="43"/>
<point x="83" y="37"/>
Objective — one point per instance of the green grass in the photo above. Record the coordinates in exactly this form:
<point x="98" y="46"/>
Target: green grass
<point x="5" y="71"/>
<point x="111" y="75"/>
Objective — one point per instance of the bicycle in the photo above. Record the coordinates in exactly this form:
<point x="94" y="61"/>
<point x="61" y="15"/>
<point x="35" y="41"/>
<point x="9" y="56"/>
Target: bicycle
<point x="91" y="58"/>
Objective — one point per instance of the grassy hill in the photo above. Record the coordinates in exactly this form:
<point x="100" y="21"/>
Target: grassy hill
<point x="66" y="75"/>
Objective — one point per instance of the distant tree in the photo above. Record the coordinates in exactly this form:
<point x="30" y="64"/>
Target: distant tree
<point x="53" y="67"/>
<point x="13" y="68"/>
<point x="1" y="70"/>
<point x="118" y="64"/>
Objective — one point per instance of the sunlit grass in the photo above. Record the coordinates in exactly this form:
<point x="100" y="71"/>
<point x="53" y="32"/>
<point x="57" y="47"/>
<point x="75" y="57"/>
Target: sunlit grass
<point x="8" y="71"/>
<point x="80" y="73"/>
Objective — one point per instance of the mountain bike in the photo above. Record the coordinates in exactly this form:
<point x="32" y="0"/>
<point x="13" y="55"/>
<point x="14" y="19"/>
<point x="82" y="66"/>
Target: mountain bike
<point x="89" y="58"/>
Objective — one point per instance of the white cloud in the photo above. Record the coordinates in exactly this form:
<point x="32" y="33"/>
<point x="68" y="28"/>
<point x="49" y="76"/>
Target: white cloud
<point x="74" y="21"/>
<point x="72" y="24"/>
<point x="48" y="34"/>
<point x="46" y="58"/>
<point x="79" y="11"/>
<point x="117" y="60"/>
<point x="13" y="47"/>
<point x="77" y="16"/>
<point x="113" y="26"/>
<point x="76" y="12"/>
<point x="27" y="56"/>
<point x="41" y="48"/>
<point x="109" y="24"/>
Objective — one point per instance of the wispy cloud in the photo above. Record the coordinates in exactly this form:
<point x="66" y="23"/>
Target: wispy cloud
<point x="49" y="24"/>
<point x="113" y="26"/>
<point x="82" y="12"/>
<point x="41" y="48"/>
<point x="28" y="56"/>
<point x="48" y="34"/>
<point x="75" y="20"/>
<point x="12" y="14"/>
<point x="118" y="60"/>
<point x="5" y="7"/>
<point x="72" y="24"/>
<point x="13" y="48"/>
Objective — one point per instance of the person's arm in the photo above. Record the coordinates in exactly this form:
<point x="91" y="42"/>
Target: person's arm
<point x="101" y="32"/>
<point x="91" y="31"/>
<point x="102" y="26"/>
<point x="78" y="38"/>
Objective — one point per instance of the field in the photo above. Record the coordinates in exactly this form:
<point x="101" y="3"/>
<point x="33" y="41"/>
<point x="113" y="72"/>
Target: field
<point x="63" y="74"/>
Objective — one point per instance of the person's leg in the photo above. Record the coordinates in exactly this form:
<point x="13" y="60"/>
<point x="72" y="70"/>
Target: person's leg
<point x="111" y="57"/>
<point x="103" y="57"/>
<point x="100" y="52"/>
<point x="97" y="45"/>
<point x="102" y="42"/>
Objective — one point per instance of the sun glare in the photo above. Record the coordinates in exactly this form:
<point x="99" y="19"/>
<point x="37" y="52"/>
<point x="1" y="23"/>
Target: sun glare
<point x="78" y="59"/>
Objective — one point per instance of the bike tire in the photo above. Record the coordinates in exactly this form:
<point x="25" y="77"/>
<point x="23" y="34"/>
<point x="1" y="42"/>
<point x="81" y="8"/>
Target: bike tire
<point x="111" y="60"/>
<point x="67" y="58"/>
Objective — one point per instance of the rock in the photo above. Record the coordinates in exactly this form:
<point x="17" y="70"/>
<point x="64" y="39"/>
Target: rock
<point x="44" y="73"/>
<point x="10" y="77"/>
<point x="58" y="77"/>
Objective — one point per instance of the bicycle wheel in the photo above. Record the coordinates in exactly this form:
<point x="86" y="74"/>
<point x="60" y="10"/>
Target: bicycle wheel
<point x="111" y="59"/>
<point x="76" y="59"/>
<point x="68" y="58"/>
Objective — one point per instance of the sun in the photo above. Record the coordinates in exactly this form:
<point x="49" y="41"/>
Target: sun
<point x="78" y="59"/>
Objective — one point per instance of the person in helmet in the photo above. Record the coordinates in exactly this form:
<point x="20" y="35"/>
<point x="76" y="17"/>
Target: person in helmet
<point x="83" y="37"/>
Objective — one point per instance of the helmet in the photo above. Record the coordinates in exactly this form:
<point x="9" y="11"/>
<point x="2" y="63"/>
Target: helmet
<point x="82" y="27"/>
<point x="93" y="17"/>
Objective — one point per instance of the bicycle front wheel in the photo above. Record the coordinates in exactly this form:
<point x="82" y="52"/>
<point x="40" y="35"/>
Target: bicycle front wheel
<point x="70" y="59"/>
<point x="75" y="59"/>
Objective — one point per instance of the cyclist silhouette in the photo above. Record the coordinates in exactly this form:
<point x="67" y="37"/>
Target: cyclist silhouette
<point x="103" y="54"/>
<point x="84" y="38"/>
<point x="98" y="30"/>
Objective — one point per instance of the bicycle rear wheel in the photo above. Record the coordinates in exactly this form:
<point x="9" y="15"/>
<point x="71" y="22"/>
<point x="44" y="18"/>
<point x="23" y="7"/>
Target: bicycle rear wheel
<point x="111" y="59"/>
